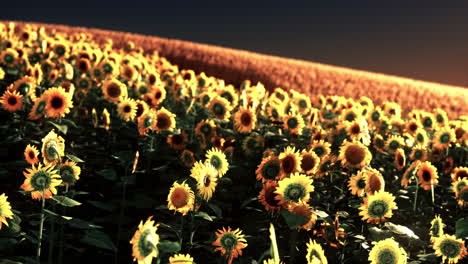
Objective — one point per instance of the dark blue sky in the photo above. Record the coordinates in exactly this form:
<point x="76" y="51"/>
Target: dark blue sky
<point x="427" y="42"/>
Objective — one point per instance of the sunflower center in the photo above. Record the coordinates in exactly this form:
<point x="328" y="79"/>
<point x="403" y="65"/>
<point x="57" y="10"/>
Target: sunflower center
<point x="394" y="145"/>
<point x="206" y="180"/>
<point x="400" y="160"/>
<point x="56" y="102"/>
<point x="436" y="229"/>
<point x="292" y="123"/>
<point x="177" y="139"/>
<point x="245" y="119"/>
<point x="386" y="256"/>
<point x="107" y="68"/>
<point x="187" y="158"/>
<point x="354" y="154"/>
<point x="413" y="127"/>
<point x="52" y="150"/>
<point x="148" y="121"/>
<point x="271" y="170"/>
<point x="206" y="129"/>
<point x="270" y="196"/>
<point x="319" y="150"/>
<point x="289" y="164"/>
<point x="227" y="96"/>
<point x="113" y="90"/>
<point x="294" y="192"/>
<point x="440" y="118"/>
<point x="219" y="109"/>
<point x="31" y="155"/>
<point x="426" y="175"/>
<point x="40" y="181"/>
<point x="361" y="183"/>
<point x="418" y="154"/>
<point x="205" y="99"/>
<point x="378" y="209"/>
<point x="459" y="132"/>
<point x="464" y="194"/>
<point x="228" y="241"/>
<point x="375" y="116"/>
<point x="179" y="198"/>
<point x="83" y="83"/>
<point x="8" y="58"/>
<point x="145" y="243"/>
<point x="427" y="122"/>
<point x="420" y="138"/>
<point x="139" y="110"/>
<point x="355" y="129"/>
<point x="445" y="138"/>
<point x="314" y="255"/>
<point x="450" y="248"/>
<point x="308" y="162"/>
<point x="350" y="117"/>
<point x="302" y="104"/>
<point x="60" y="50"/>
<point x="158" y="95"/>
<point x="216" y="162"/>
<point x="67" y="173"/>
<point x="461" y="174"/>
<point x="12" y="100"/>
<point x="163" y="122"/>
<point x="25" y="87"/>
<point x="127" y="109"/>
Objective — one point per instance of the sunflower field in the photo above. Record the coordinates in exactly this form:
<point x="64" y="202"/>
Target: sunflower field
<point x="116" y="155"/>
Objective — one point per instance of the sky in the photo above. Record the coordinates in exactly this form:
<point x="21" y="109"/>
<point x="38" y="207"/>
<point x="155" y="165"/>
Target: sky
<point x="426" y="42"/>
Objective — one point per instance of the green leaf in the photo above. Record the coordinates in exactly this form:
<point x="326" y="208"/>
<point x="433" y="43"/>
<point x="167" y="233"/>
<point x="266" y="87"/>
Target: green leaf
<point x="204" y="216"/>
<point x="57" y="215"/>
<point x="461" y="228"/>
<point x="166" y="246"/>
<point x="108" y="174"/>
<point x="401" y="230"/>
<point x="74" y="158"/>
<point x="216" y="209"/>
<point x="377" y="234"/>
<point x="293" y="220"/>
<point x="98" y="239"/>
<point x="61" y="128"/>
<point x="65" y="201"/>
<point x="105" y="206"/>
<point x="246" y="202"/>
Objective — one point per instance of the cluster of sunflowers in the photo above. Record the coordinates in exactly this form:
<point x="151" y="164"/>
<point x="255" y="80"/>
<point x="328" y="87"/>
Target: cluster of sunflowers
<point x="329" y="173"/>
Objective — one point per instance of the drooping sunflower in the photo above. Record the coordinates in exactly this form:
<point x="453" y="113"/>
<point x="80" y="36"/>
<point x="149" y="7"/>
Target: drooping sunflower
<point x="310" y="162"/>
<point x="378" y="207"/>
<point x="409" y="173"/>
<point x="394" y="143"/>
<point x="269" y="169"/>
<point x="295" y="189"/>
<point x="315" y="253"/>
<point x="267" y="196"/>
<point x="458" y="185"/>
<point x="146" y="122"/>
<point x="320" y="147"/>
<point x="354" y="154"/>
<point x="443" y="137"/>
<point x="145" y="242"/>
<point x="459" y="173"/>
<point x="181" y="198"/>
<point x="127" y="109"/>
<point x="357" y="184"/>
<point x="245" y="120"/>
<point x="306" y="211"/>
<point x="230" y="243"/>
<point x="427" y="175"/>
<point x="220" y="108"/>
<point x="218" y="160"/>
<point x="165" y="120"/>
<point x="181" y="259"/>
<point x="26" y="86"/>
<point x="290" y="160"/>
<point x="206" y="176"/>
<point x="294" y="123"/>
<point x="437" y="228"/>
<point x="41" y="181"/>
<point x="374" y="181"/>
<point x="114" y="90"/>
<point x="53" y="147"/>
<point x="400" y="158"/>
<point x="387" y="251"/>
<point x="418" y="152"/>
<point x="5" y="210"/>
<point x="462" y="196"/>
<point x="31" y="154"/>
<point x="70" y="172"/>
<point x="11" y="101"/>
<point x="59" y="102"/>
<point x="450" y="248"/>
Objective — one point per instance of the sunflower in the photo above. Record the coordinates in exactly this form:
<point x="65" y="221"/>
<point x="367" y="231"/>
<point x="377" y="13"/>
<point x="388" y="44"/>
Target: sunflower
<point x="325" y="166"/>
<point x="245" y="120"/>
<point x="142" y="108"/>
<point x="420" y="137"/>
<point x="127" y="109"/>
<point x="206" y="177"/>
<point x="5" y="210"/>
<point x="177" y="141"/>
<point x="267" y="196"/>
<point x="157" y="95"/>
<point x="427" y="175"/>
<point x="387" y="251"/>
<point x="408" y="175"/>
<point x="310" y="162"/>
<point x="437" y="228"/>
<point x="83" y="65"/>
<point x="377" y="207"/>
<point x="374" y="181"/>
<point x="294" y="123"/>
<point x="205" y="128"/>
<point x="59" y="102"/>
<point x="280" y="95"/>
<point x="354" y="154"/>
<point x="31" y="154"/>
<point x="187" y="158"/>
<point x="378" y="143"/>
<point x="450" y="248"/>
<point x="128" y="72"/>
<point x="220" y="108"/>
<point x="302" y="103"/>
<point x="418" y="152"/>
<point x="41" y="181"/>
<point x="181" y="198"/>
<point x="206" y="97"/>
<point x="320" y="147"/>
<point x="106" y="119"/>
<point x="9" y="57"/>
<point x="253" y="143"/>
<point x="181" y="259"/>
<point x="229" y="93"/>
<point x="461" y="132"/>
<point x="165" y="120"/>
<point x="443" y="137"/>
<point x="411" y="126"/>
<point x="114" y="90"/>
<point x="351" y="114"/>
<point x="11" y="101"/>
<point x="269" y="169"/>
<point x="357" y="183"/>
<point x="427" y="121"/>
<point x="146" y="122"/>
<point x="459" y="173"/>
<point x="69" y="172"/>
<point x="462" y="196"/>
<point x="458" y="185"/>
<point x="295" y="189"/>
<point x="441" y="117"/>
<point x="53" y="147"/>
<point x="315" y="253"/>
<point x="306" y="211"/>
<point x="230" y="243"/>
<point x="218" y="160"/>
<point x="145" y="242"/>
<point x="393" y="143"/>
<point x="26" y="86"/>
<point x="290" y="161"/>
<point x="400" y="158"/>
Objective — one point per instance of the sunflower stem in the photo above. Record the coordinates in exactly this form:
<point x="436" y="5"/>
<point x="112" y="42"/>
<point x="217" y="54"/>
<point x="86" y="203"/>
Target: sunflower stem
<point x="41" y="227"/>
<point x="416" y="194"/>
<point x="52" y="239"/>
<point x="62" y="232"/>
<point x="292" y="245"/>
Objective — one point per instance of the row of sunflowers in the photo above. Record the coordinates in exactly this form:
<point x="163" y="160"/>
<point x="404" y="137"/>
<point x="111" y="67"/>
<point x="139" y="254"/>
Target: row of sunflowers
<point x="126" y="156"/>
